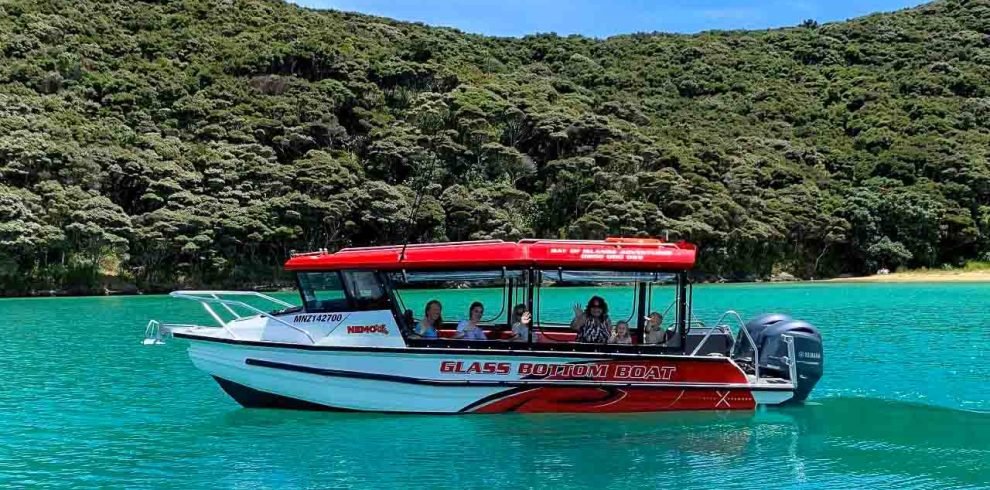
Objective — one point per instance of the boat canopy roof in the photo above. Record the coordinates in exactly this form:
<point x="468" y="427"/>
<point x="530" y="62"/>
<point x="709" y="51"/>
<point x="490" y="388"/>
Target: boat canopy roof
<point x="627" y="254"/>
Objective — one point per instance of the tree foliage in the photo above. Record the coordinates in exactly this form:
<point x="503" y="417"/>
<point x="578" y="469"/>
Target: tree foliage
<point x="198" y="142"/>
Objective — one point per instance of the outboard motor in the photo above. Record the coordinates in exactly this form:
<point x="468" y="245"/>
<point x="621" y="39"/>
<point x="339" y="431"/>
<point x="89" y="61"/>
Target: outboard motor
<point x="755" y="327"/>
<point x="769" y="337"/>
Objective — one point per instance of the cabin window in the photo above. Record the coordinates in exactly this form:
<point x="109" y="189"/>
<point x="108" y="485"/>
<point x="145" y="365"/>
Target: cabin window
<point x="456" y="291"/>
<point x="322" y="291"/>
<point x="561" y="290"/>
<point x="366" y="290"/>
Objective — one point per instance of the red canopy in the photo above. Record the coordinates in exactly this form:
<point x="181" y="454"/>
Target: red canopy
<point x="611" y="254"/>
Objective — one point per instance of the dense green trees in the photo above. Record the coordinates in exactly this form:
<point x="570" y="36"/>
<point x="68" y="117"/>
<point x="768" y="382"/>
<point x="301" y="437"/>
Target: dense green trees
<point x="198" y="142"/>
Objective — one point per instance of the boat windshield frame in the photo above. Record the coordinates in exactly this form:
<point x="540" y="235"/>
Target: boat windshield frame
<point x="351" y="300"/>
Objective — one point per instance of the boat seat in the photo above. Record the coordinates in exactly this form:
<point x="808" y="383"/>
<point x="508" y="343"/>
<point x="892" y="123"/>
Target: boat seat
<point x="562" y="336"/>
<point x="554" y="336"/>
<point x="448" y="333"/>
<point x="538" y="336"/>
<point x="492" y="334"/>
<point x="720" y="341"/>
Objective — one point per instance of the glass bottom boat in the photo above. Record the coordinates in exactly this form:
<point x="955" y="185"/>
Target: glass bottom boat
<point x="355" y="344"/>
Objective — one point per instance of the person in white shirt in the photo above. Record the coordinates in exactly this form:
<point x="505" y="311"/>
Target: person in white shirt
<point x="654" y="329"/>
<point x="621" y="334"/>
<point x="469" y="329"/>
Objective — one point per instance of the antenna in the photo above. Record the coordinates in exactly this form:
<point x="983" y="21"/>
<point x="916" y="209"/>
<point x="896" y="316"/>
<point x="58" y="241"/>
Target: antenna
<point x="415" y="210"/>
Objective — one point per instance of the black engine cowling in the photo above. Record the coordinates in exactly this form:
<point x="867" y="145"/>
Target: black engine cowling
<point x="755" y="327"/>
<point x="768" y="333"/>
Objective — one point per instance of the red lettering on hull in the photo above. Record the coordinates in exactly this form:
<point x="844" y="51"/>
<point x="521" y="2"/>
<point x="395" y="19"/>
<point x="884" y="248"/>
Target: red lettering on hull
<point x="361" y="329"/>
<point x="634" y="371"/>
<point x="460" y="367"/>
<point x="598" y="371"/>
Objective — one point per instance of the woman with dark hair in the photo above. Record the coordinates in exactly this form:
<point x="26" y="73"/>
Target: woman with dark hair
<point x="469" y="329"/>
<point x="592" y="324"/>
<point x="432" y="319"/>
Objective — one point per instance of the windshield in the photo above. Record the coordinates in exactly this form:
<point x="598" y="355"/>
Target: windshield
<point x="322" y="291"/>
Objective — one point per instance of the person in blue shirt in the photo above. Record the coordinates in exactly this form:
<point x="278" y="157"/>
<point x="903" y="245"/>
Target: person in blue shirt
<point x="432" y="320"/>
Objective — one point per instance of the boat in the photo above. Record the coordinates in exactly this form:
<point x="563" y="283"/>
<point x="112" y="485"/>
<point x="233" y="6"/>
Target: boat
<point x="350" y="343"/>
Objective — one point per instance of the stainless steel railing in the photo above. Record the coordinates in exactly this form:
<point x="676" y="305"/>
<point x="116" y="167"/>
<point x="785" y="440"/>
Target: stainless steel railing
<point x="791" y="359"/>
<point x="743" y="329"/>
<point x="153" y="332"/>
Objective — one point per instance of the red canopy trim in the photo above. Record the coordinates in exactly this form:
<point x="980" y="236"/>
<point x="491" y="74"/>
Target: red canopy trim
<point x="611" y="254"/>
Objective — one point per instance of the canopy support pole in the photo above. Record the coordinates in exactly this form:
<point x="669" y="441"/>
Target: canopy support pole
<point x="641" y="313"/>
<point x="682" y="325"/>
<point x="534" y="319"/>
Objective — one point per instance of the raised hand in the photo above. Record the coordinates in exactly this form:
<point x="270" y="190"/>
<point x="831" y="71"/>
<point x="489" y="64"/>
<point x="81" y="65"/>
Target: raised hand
<point x="526" y="318"/>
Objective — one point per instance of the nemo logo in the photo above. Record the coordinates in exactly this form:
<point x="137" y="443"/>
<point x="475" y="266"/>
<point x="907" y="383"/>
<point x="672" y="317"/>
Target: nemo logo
<point x="360" y="329"/>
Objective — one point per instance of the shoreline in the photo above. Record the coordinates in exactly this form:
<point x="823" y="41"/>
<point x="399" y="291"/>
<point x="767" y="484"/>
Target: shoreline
<point x="917" y="277"/>
<point x="911" y="277"/>
<point x="62" y="293"/>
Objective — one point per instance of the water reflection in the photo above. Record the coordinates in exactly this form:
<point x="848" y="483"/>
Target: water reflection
<point x="847" y="440"/>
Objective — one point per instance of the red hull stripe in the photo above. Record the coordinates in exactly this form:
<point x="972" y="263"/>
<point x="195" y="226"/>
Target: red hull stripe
<point x="616" y="400"/>
<point x="681" y="370"/>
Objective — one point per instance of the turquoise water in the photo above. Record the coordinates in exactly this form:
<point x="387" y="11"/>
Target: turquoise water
<point x="905" y="403"/>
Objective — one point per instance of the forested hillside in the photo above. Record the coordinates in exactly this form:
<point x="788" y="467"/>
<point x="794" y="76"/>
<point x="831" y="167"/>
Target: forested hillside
<point x="197" y="142"/>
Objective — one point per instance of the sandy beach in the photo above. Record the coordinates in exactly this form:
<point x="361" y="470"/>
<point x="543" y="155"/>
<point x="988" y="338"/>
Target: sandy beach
<point x="922" y="276"/>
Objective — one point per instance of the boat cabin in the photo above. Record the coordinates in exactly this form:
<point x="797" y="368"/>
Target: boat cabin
<point x="550" y="279"/>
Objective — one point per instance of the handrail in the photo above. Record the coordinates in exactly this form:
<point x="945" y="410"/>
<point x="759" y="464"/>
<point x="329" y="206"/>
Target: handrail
<point x="155" y="331"/>
<point x="213" y="293"/>
<point x="742" y="328"/>
<point x="418" y="245"/>
<point x="791" y="359"/>
<point x="596" y="242"/>
<point x="756" y="351"/>
<point x="213" y="297"/>
<point x="718" y="323"/>
<point x="227" y="307"/>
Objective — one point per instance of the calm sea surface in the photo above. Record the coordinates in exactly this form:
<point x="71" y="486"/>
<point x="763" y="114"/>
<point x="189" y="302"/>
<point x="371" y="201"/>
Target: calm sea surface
<point x="905" y="403"/>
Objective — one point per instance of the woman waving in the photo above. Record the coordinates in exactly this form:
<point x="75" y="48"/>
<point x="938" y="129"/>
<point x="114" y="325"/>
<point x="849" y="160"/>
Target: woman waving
<point x="592" y="324"/>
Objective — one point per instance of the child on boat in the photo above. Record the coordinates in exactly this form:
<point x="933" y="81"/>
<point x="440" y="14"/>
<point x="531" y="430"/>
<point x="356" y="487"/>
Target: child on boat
<point x="621" y="334"/>
<point x="520" y="324"/>
<point x="653" y="331"/>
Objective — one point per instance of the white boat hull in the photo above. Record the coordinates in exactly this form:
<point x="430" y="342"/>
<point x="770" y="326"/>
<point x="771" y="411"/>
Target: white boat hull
<point x="259" y="374"/>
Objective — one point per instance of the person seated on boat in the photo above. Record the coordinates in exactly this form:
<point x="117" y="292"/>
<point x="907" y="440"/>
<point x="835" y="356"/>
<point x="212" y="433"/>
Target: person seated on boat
<point x="592" y="324"/>
<point x="469" y="329"/>
<point x="432" y="320"/>
<point x="621" y="334"/>
<point x="653" y="330"/>
<point x="520" y="324"/>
